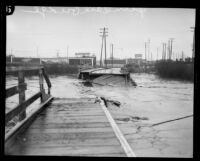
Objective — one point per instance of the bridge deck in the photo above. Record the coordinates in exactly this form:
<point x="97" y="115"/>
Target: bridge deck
<point x="70" y="127"/>
<point x="114" y="71"/>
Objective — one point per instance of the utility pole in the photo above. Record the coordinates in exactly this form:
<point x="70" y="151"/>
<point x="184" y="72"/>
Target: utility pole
<point x="103" y="32"/>
<point x="182" y="55"/>
<point x="101" y="52"/>
<point x="67" y="55"/>
<point x="11" y="52"/>
<point x="11" y="56"/>
<point x="148" y="49"/>
<point x="145" y="56"/>
<point x="169" y="50"/>
<point x="171" y="40"/>
<point x="67" y="51"/>
<point x="57" y="54"/>
<point x="110" y="50"/>
<point x="164" y="51"/>
<point x="112" y="54"/>
<point x="193" y="48"/>
<point x="105" y="48"/>
<point x="37" y="51"/>
<point x="157" y="54"/>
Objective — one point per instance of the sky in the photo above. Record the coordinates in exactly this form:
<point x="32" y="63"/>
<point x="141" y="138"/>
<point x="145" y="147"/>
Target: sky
<point x="51" y="31"/>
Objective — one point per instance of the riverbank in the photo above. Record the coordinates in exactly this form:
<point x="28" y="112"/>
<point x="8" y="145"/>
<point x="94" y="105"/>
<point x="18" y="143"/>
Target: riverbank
<point x="57" y="69"/>
<point x="175" y="70"/>
<point x="170" y="70"/>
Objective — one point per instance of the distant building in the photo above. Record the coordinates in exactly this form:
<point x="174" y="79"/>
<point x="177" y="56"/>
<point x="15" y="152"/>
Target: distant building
<point x="82" y="54"/>
<point x="83" y="59"/>
<point x="88" y="61"/>
<point x="115" y="62"/>
<point x="55" y="60"/>
<point x="138" y="56"/>
<point x="22" y="60"/>
<point x="137" y="61"/>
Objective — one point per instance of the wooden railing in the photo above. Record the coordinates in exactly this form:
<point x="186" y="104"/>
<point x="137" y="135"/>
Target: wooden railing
<point x="20" y="109"/>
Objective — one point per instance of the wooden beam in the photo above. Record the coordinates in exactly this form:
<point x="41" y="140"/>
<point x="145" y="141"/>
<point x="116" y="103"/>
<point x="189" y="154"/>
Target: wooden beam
<point x="22" y="114"/>
<point x="129" y="152"/>
<point x="42" y="90"/>
<point x="46" y="77"/>
<point x="14" y="90"/>
<point x="12" y="113"/>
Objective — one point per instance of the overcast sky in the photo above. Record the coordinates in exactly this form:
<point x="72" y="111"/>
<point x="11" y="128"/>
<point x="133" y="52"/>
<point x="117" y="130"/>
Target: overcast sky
<point x="49" y="30"/>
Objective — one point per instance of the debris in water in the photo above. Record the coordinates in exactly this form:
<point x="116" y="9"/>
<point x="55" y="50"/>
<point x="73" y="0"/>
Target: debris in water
<point x="132" y="118"/>
<point x="139" y="118"/>
<point x="116" y="103"/>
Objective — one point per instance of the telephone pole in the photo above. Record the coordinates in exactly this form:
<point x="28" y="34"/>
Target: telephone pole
<point x="157" y="54"/>
<point x="37" y="51"/>
<point x="104" y="32"/>
<point x="171" y="40"/>
<point x="169" y="49"/>
<point x="148" y="49"/>
<point x="182" y="55"/>
<point x="67" y="51"/>
<point x="145" y="56"/>
<point x="193" y="48"/>
<point x="164" y="51"/>
<point x="112" y="54"/>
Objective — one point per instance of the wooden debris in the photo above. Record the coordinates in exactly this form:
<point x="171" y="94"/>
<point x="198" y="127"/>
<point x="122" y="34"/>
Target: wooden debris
<point x="117" y="103"/>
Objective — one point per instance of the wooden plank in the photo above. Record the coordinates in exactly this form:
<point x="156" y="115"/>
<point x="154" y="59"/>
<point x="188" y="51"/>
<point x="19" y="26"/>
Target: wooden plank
<point x="71" y="130"/>
<point x="67" y="151"/>
<point x="68" y="132"/>
<point x="14" y="90"/>
<point x="17" y="110"/>
<point x="118" y="133"/>
<point x="20" y="127"/>
<point x="62" y="136"/>
<point x="74" y="111"/>
<point x="76" y="108"/>
<point x="38" y="142"/>
<point x="72" y="115"/>
<point x="80" y="118"/>
<point x="42" y="120"/>
<point x="70" y="125"/>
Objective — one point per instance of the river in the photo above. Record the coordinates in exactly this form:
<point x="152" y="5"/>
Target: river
<point x="153" y="100"/>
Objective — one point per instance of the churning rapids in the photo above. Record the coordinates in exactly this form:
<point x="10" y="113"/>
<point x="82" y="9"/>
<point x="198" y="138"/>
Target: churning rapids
<point x="153" y="100"/>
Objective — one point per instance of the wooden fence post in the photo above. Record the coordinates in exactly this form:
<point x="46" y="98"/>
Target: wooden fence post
<point x="41" y="85"/>
<point x="47" y="80"/>
<point x="21" y="94"/>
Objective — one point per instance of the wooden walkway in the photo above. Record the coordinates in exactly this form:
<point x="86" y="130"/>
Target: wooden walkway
<point x="69" y="127"/>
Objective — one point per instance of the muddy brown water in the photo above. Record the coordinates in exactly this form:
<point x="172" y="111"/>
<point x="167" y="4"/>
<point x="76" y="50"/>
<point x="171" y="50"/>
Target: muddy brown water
<point x="153" y="100"/>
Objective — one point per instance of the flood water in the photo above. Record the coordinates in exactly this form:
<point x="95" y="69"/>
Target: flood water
<point x="153" y="98"/>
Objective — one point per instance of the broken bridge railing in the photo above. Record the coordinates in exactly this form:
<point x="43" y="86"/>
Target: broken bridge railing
<point x="20" y="109"/>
